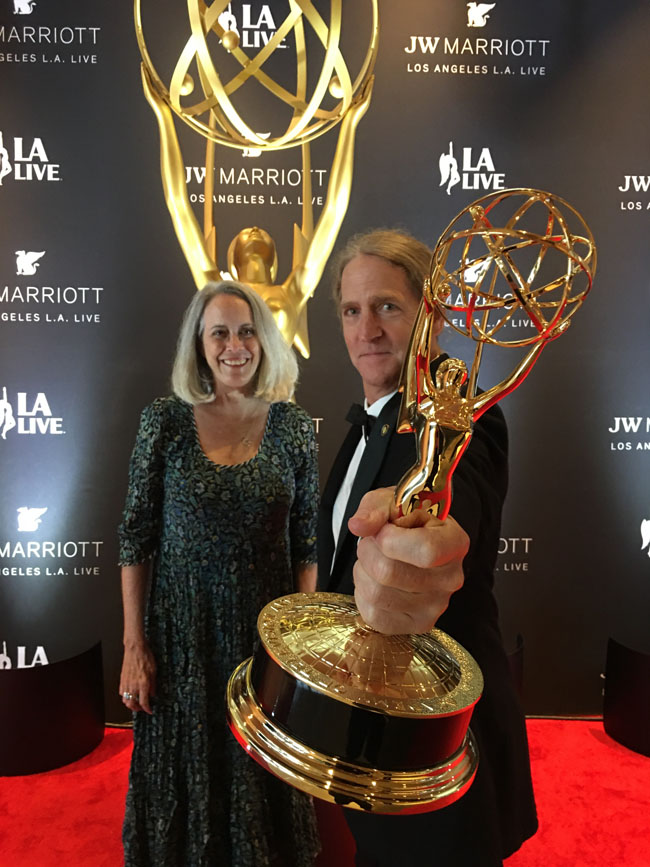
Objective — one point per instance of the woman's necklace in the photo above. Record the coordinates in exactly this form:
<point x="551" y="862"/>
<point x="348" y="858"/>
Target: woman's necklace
<point x="231" y="438"/>
<point x="246" y="439"/>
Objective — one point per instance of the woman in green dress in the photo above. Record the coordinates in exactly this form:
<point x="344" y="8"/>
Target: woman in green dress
<point x="219" y="519"/>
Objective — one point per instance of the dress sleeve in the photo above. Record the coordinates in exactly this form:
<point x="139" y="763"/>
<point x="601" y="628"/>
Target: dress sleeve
<point x="139" y="531"/>
<point x="304" y="511"/>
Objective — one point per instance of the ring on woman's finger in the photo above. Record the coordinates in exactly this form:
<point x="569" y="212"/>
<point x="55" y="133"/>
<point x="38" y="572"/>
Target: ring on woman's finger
<point x="127" y="696"/>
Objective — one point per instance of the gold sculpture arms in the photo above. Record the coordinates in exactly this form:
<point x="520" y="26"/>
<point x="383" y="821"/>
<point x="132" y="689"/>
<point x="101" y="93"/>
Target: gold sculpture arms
<point x="442" y="408"/>
<point x="217" y="111"/>
<point x="311" y="263"/>
<point x="287" y="300"/>
<point x="172" y="170"/>
<point x="442" y="416"/>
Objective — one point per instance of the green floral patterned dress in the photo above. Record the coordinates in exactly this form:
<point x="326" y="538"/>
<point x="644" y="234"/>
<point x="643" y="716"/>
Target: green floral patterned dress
<point x="224" y="542"/>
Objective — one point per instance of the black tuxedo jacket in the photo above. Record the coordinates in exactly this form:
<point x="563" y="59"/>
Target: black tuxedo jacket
<point x="498" y="813"/>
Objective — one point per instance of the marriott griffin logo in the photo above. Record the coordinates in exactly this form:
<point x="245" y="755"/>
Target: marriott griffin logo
<point x="24" y="7"/>
<point x="478" y="13"/>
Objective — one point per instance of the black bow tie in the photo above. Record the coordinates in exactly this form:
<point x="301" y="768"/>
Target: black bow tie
<point x="358" y="416"/>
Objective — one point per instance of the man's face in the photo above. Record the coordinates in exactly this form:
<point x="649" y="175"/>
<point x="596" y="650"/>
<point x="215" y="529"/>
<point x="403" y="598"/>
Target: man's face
<point x="378" y="309"/>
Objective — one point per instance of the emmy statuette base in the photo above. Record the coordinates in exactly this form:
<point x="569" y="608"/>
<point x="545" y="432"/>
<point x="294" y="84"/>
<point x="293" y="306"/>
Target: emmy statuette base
<point x="334" y="779"/>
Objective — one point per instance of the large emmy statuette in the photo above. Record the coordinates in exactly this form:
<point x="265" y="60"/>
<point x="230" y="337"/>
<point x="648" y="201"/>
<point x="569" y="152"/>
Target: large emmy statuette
<point x="381" y="723"/>
<point x="321" y="95"/>
<point x="514" y="252"/>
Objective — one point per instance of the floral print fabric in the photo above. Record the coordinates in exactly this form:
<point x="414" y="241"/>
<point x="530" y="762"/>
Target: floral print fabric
<point x="224" y="541"/>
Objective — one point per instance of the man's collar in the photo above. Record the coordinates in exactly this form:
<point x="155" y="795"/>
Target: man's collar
<point x="376" y="407"/>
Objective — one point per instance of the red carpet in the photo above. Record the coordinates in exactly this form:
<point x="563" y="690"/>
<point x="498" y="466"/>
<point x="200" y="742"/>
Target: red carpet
<point x="593" y="798"/>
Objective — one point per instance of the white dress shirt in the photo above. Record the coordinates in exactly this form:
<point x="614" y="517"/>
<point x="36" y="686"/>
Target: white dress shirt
<point x="346" y="487"/>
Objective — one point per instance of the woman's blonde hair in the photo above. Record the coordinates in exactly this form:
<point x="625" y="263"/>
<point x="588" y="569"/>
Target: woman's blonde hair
<point x="192" y="378"/>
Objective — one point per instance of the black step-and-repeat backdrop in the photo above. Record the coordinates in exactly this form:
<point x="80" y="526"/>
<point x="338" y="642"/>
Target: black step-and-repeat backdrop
<point x="92" y="285"/>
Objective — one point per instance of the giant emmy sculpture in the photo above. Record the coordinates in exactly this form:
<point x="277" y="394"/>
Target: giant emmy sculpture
<point x="230" y="81"/>
<point x="376" y="722"/>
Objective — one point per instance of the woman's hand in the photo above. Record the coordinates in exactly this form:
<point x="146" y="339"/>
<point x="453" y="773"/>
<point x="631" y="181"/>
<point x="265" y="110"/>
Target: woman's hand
<point x="306" y="575"/>
<point x="138" y="678"/>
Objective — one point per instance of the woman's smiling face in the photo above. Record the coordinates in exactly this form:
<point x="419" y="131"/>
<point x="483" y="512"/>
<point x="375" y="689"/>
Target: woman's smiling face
<point x="230" y="344"/>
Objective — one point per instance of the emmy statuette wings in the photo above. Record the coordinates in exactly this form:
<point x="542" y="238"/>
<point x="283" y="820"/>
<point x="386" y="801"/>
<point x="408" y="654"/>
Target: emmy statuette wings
<point x="220" y="114"/>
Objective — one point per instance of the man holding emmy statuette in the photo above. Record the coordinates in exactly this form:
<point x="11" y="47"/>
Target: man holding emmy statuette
<point x="378" y="292"/>
<point x="368" y="705"/>
<point x="426" y="427"/>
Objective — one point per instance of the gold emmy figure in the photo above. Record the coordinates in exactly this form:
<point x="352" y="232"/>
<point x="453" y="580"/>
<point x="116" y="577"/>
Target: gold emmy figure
<point x="495" y="271"/>
<point x="251" y="255"/>
<point x="381" y="723"/>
